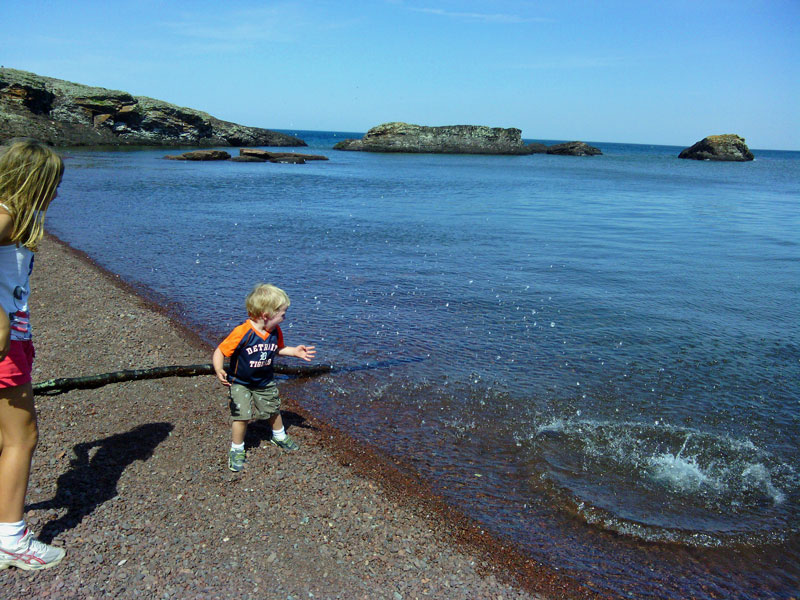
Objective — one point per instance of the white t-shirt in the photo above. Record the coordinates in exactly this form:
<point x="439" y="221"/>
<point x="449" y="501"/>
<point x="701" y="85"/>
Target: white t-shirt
<point x="16" y="264"/>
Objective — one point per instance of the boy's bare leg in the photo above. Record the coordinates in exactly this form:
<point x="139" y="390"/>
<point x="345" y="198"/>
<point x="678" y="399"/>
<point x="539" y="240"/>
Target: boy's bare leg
<point x="279" y="437"/>
<point x="275" y="421"/>
<point x="238" y="429"/>
<point x="19" y="436"/>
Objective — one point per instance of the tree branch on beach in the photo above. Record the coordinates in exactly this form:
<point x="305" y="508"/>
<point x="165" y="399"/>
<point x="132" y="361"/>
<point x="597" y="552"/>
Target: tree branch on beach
<point x="52" y="387"/>
<point x="58" y="386"/>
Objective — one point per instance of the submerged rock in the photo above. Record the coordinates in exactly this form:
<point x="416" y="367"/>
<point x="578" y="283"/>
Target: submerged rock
<point x="63" y="113"/>
<point x="726" y="147"/>
<point x="450" y="139"/>
<point x="574" y="149"/>
<point x="288" y="160"/>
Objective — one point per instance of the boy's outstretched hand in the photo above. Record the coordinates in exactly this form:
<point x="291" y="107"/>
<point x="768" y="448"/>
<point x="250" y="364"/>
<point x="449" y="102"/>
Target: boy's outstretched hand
<point x="304" y="352"/>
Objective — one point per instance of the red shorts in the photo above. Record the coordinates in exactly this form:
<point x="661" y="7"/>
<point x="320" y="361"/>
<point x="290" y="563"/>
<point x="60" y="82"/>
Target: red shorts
<point x="16" y="367"/>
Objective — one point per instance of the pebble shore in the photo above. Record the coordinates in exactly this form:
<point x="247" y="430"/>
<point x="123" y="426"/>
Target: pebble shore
<point x="132" y="480"/>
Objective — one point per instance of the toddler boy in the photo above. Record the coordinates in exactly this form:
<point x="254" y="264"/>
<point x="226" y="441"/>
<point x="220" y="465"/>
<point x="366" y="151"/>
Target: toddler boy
<point x="252" y="347"/>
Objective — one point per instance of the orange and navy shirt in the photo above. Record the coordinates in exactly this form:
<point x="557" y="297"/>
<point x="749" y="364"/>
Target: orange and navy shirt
<point x="251" y="355"/>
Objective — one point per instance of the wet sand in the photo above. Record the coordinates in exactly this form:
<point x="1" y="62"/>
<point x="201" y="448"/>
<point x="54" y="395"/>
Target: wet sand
<point x="132" y="480"/>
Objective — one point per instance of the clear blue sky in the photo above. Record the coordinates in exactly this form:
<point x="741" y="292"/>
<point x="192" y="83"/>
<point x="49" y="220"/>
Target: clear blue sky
<point x="667" y="72"/>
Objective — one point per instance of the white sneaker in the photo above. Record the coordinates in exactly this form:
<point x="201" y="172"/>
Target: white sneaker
<point x="30" y="554"/>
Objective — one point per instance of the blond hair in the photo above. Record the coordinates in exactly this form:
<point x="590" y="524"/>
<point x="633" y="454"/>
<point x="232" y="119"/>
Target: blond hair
<point x="29" y="176"/>
<point x="265" y="299"/>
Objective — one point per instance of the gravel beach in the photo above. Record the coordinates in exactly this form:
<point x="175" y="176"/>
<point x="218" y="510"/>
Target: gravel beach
<point x="132" y="480"/>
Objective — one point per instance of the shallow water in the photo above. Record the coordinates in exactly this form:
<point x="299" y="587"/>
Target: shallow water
<point x="596" y="357"/>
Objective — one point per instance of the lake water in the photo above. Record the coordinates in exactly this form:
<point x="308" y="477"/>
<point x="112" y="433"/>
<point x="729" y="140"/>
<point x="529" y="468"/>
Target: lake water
<point x="597" y="358"/>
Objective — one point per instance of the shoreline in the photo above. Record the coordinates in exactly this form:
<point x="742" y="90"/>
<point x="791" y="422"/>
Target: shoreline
<point x="392" y="538"/>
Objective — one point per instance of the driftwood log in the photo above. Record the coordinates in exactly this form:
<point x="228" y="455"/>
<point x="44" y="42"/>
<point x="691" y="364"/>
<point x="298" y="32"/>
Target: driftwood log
<point x="58" y="386"/>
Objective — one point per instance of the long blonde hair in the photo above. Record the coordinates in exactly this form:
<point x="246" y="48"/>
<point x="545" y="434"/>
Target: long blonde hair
<point x="29" y="176"/>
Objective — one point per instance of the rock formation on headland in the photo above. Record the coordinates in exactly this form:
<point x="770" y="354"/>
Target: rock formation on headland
<point x="729" y="147"/>
<point x="452" y="139"/>
<point x="69" y="114"/>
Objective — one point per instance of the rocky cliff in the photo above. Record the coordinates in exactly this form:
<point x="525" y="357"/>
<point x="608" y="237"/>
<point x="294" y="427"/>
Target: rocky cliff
<point x="729" y="147"/>
<point x="452" y="139"/>
<point x="69" y="114"/>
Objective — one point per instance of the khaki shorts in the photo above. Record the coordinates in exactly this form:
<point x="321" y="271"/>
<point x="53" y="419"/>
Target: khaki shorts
<point x="247" y="404"/>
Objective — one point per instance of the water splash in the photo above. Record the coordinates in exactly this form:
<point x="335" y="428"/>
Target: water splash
<point x="660" y="482"/>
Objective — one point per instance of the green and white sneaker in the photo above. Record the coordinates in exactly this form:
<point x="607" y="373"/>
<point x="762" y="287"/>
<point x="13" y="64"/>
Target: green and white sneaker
<point x="286" y="443"/>
<point x="30" y="554"/>
<point x="236" y="460"/>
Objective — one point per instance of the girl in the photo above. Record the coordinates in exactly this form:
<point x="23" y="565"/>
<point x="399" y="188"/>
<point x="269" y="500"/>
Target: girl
<point x="30" y="173"/>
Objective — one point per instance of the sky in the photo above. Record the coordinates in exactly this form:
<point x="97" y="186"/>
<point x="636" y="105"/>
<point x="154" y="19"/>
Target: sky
<point x="667" y="72"/>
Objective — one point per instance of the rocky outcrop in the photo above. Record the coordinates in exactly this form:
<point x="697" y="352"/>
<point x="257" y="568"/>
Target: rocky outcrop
<point x="727" y="147"/>
<point x="245" y="159"/>
<point x="248" y="155"/>
<point x="279" y="156"/>
<point x="537" y="148"/>
<point x="200" y="155"/>
<point x="456" y="139"/>
<point x="453" y="139"/>
<point x="574" y="149"/>
<point x="62" y="113"/>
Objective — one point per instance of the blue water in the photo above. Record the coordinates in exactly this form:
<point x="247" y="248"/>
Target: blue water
<point x="597" y="358"/>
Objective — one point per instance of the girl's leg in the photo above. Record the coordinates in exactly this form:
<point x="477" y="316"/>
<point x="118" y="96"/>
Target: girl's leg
<point x="19" y="436"/>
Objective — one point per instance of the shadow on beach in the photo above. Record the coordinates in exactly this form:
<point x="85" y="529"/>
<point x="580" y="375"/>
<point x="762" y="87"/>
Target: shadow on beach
<point x="92" y="481"/>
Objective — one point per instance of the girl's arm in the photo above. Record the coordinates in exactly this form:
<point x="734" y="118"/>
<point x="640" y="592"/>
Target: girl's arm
<point x="6" y="226"/>
<point x="5" y="334"/>
<point x="304" y="352"/>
